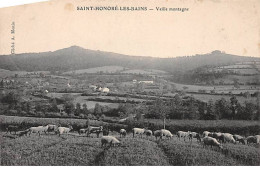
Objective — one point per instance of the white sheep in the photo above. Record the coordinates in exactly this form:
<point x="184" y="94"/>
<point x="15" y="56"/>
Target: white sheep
<point x="257" y="139"/>
<point x="239" y="138"/>
<point x="216" y="135"/>
<point x="183" y="134"/>
<point x="253" y="139"/>
<point x="205" y="133"/>
<point x="166" y="133"/>
<point x="210" y="141"/>
<point x="138" y="131"/>
<point x="92" y="129"/>
<point x="109" y="140"/>
<point x="194" y="135"/>
<point x="62" y="130"/>
<point x="122" y="133"/>
<point x="38" y="130"/>
<point x="228" y="138"/>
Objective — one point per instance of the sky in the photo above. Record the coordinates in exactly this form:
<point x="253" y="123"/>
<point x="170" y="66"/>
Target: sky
<point x="232" y="26"/>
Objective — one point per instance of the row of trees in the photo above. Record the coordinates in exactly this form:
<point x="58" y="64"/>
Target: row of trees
<point x="175" y="108"/>
<point x="190" y="108"/>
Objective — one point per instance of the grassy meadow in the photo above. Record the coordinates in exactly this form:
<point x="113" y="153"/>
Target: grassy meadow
<point x="74" y="149"/>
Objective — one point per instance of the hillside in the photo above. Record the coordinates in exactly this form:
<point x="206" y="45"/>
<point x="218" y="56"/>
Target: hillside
<point x="75" y="58"/>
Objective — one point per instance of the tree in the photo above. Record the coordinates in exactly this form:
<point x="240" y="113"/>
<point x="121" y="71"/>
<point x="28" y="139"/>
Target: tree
<point x="54" y="106"/>
<point x="11" y="98"/>
<point x="78" y="109"/>
<point x="69" y="108"/>
<point x="250" y="110"/>
<point x="202" y="110"/>
<point x="162" y="109"/>
<point x="85" y="109"/>
<point x="222" y="109"/>
<point x="192" y="109"/>
<point x="233" y="107"/>
<point x="246" y="95"/>
<point x="97" y="110"/>
<point x="258" y="106"/>
<point x="175" y="107"/>
<point x="210" y="115"/>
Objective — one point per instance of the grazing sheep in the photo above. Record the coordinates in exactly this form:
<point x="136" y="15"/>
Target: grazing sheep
<point x="228" y="138"/>
<point x="148" y="133"/>
<point x="166" y="133"/>
<point x="257" y="139"/>
<point x="253" y="139"/>
<point x="109" y="140"/>
<point x="239" y="139"/>
<point x="211" y="142"/>
<point x="158" y="133"/>
<point x="11" y="128"/>
<point x="52" y="127"/>
<point x="216" y="135"/>
<point x="82" y="131"/>
<point x="138" y="131"/>
<point x="194" y="135"/>
<point x="62" y="130"/>
<point x="21" y="133"/>
<point x="122" y="133"/>
<point x="38" y="130"/>
<point x="205" y="133"/>
<point x="182" y="134"/>
<point x="92" y="129"/>
<point x="211" y="134"/>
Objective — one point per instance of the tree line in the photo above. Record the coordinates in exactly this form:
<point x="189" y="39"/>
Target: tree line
<point x="175" y="108"/>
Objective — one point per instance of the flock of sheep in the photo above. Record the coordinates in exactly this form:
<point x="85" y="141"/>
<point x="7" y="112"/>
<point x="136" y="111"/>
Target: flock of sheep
<point x="213" y="139"/>
<point x="39" y="129"/>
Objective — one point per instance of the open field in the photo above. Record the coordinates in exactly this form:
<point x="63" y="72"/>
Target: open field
<point x="115" y="69"/>
<point x="208" y="97"/>
<point x="229" y="79"/>
<point x="217" y="88"/>
<point x="144" y="72"/>
<point x="104" y="69"/>
<point x="74" y="149"/>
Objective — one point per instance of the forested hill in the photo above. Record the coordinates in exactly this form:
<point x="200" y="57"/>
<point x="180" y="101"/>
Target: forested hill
<point x="75" y="57"/>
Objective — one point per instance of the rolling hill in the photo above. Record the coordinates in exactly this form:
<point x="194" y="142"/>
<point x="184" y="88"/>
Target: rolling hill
<point x="75" y="58"/>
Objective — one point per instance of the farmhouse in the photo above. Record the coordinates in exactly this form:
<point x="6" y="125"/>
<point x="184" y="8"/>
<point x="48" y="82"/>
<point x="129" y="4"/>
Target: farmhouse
<point x="146" y="81"/>
<point x="105" y="90"/>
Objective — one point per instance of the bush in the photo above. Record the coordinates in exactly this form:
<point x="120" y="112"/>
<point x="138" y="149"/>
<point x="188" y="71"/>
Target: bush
<point x="12" y="112"/>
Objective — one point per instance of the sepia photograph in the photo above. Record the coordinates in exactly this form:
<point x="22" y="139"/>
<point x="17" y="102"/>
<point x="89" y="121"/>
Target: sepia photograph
<point x="130" y="83"/>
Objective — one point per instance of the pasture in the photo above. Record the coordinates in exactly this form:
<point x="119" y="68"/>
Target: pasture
<point x="74" y="149"/>
<point x="104" y="69"/>
<point x="214" y="98"/>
